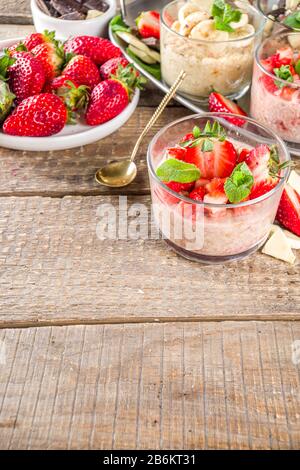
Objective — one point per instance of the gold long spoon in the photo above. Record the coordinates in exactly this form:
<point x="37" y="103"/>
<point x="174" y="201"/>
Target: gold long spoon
<point x="122" y="173"/>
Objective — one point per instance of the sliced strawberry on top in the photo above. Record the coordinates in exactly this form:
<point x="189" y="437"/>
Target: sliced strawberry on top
<point x="188" y="137"/>
<point x="258" y="161"/>
<point x="264" y="187"/>
<point x="219" y="104"/>
<point x="215" y="191"/>
<point x="220" y="162"/>
<point x="243" y="154"/>
<point x="148" y="24"/>
<point x="198" y="193"/>
<point x="288" y="213"/>
<point x="176" y="152"/>
<point x="178" y="187"/>
<point x="287" y="93"/>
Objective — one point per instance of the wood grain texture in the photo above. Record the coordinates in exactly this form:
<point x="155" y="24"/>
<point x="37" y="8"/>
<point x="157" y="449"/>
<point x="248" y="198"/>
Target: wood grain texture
<point x="171" y="386"/>
<point x="56" y="268"/>
<point x="72" y="171"/>
<point x="17" y="12"/>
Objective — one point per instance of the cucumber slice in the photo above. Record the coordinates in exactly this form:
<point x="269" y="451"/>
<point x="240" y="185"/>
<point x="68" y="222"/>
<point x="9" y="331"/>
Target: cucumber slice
<point x="141" y="55"/>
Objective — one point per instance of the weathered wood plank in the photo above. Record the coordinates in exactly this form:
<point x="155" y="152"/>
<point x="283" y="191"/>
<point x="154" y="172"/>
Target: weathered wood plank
<point x="55" y="266"/>
<point x="17" y="12"/>
<point x="139" y="386"/>
<point x="72" y="171"/>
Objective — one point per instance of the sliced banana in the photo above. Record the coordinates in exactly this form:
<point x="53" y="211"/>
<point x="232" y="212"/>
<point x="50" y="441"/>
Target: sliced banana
<point x="243" y="32"/>
<point x="239" y="24"/>
<point x="176" y="26"/>
<point x="191" y="21"/>
<point x="132" y="40"/>
<point x="294" y="40"/>
<point x="206" y="31"/>
<point x="154" y="54"/>
<point x="186" y="10"/>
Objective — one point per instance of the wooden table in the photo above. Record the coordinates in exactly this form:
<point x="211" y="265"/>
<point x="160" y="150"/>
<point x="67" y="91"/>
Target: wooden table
<point x="122" y="344"/>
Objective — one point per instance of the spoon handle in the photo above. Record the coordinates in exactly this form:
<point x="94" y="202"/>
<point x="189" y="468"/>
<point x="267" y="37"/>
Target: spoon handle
<point x="158" y="111"/>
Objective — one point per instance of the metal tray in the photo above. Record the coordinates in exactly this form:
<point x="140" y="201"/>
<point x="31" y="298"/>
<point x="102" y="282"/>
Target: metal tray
<point x="192" y="105"/>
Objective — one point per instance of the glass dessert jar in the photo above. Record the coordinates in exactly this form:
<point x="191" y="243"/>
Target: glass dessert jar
<point x="215" y="60"/>
<point x="213" y="232"/>
<point x="275" y="102"/>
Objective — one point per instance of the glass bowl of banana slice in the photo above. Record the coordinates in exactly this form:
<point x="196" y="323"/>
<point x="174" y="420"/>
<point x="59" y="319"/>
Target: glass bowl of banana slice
<point x="214" y="42"/>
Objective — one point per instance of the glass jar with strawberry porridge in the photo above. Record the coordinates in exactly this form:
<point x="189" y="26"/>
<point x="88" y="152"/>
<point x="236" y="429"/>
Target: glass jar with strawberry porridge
<point x="216" y="182"/>
<point x="275" y="94"/>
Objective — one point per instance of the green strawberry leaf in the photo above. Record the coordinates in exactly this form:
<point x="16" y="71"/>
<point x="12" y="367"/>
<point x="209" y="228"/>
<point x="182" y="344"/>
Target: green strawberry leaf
<point x="207" y="145"/>
<point x="297" y="67"/>
<point x="197" y="132"/>
<point x="239" y="184"/>
<point x="178" y="171"/>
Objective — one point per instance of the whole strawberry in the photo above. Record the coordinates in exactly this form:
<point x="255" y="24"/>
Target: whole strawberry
<point x="52" y="57"/>
<point x="99" y="50"/>
<point x="35" y="39"/>
<point x="108" y="99"/>
<point x="37" y="116"/>
<point x="110" y="67"/>
<point x="83" y="70"/>
<point x="26" y="76"/>
<point x="74" y="96"/>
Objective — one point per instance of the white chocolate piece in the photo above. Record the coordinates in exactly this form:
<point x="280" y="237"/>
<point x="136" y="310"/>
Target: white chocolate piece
<point x="93" y="14"/>
<point x="278" y="246"/>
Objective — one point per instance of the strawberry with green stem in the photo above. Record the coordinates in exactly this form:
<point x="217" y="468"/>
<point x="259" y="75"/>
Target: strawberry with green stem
<point x="99" y="50"/>
<point x="26" y="76"/>
<point x="110" y="97"/>
<point x="52" y="57"/>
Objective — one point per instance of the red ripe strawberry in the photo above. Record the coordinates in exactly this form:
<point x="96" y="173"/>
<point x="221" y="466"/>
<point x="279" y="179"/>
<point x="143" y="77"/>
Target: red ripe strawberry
<point x="288" y="213"/>
<point x="37" y="116"/>
<point x="108" y="99"/>
<point x="178" y="187"/>
<point x="287" y="93"/>
<point x="219" y="104"/>
<point x="215" y="191"/>
<point x="264" y="187"/>
<point x="220" y="162"/>
<point x="111" y="66"/>
<point x="176" y="152"/>
<point x="19" y="47"/>
<point x="99" y="50"/>
<point x="258" y="161"/>
<point x="188" y="137"/>
<point x="269" y="84"/>
<point x="148" y="24"/>
<point x="83" y="70"/>
<point x="243" y="154"/>
<point x="26" y="76"/>
<point x="198" y="194"/>
<point x="34" y="39"/>
<point x="51" y="56"/>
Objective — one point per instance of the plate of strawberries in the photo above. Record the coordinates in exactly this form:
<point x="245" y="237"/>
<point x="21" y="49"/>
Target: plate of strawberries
<point x="56" y="95"/>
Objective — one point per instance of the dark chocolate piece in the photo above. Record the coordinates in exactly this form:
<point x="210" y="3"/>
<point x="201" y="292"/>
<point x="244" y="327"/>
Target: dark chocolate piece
<point x="43" y="6"/>
<point x="65" y="6"/>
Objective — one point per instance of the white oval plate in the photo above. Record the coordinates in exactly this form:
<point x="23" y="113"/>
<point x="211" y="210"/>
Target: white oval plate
<point x="72" y="135"/>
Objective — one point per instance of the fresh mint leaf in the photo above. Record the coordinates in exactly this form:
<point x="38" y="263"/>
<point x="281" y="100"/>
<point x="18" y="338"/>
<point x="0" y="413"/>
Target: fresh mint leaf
<point x="293" y="20"/>
<point x="239" y="184"/>
<point x="284" y="72"/>
<point x="224" y="14"/>
<point x="117" y="24"/>
<point x="297" y="67"/>
<point x="217" y="8"/>
<point x="207" y="145"/>
<point x="178" y="171"/>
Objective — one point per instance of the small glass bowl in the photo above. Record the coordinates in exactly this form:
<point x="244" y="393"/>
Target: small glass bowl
<point x="222" y="66"/>
<point x="205" y="232"/>
<point x="276" y="108"/>
<point x="275" y="12"/>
